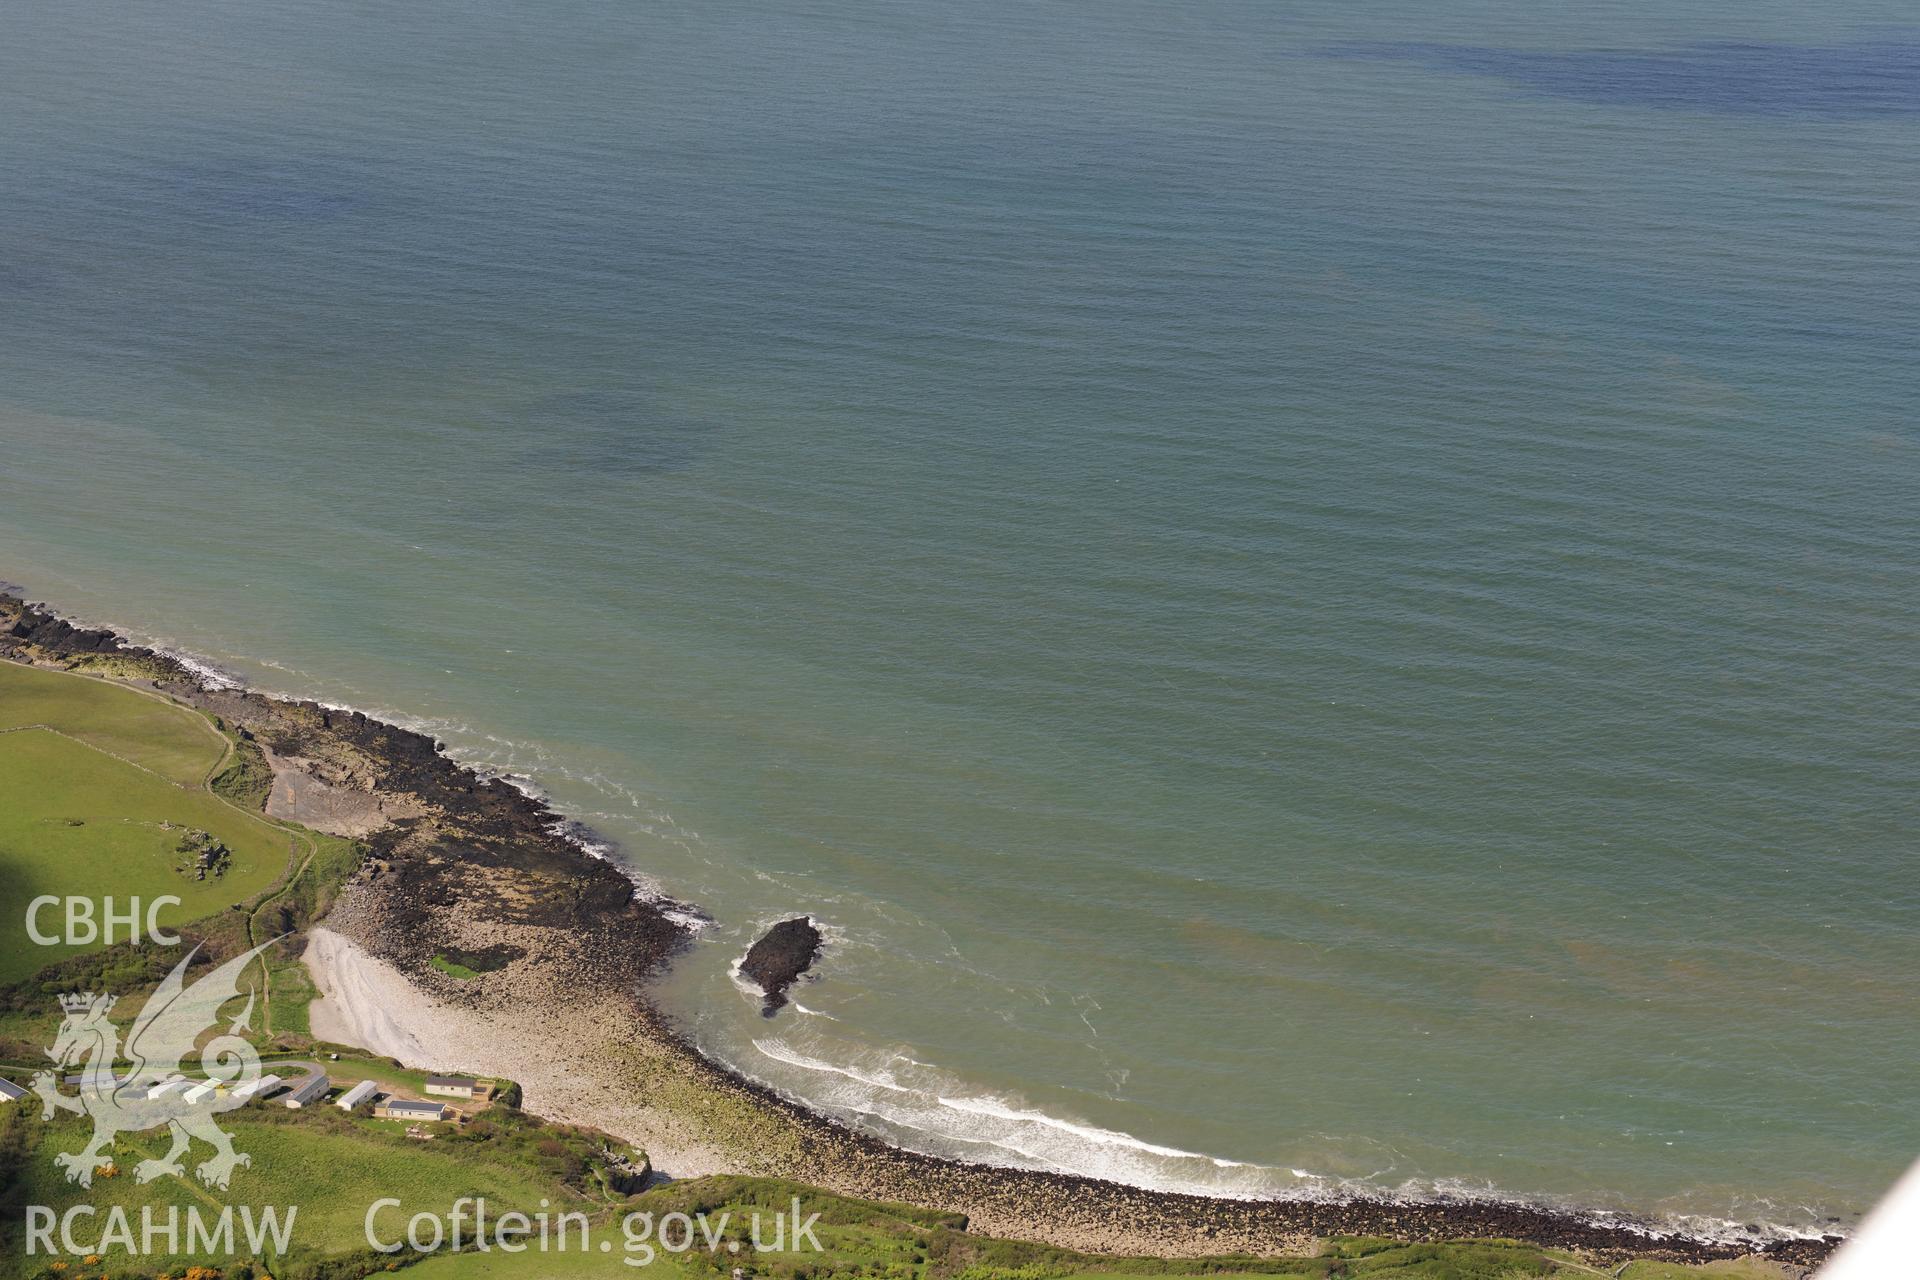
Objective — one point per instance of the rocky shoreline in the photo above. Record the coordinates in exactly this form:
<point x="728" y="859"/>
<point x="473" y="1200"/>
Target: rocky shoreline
<point x="463" y="863"/>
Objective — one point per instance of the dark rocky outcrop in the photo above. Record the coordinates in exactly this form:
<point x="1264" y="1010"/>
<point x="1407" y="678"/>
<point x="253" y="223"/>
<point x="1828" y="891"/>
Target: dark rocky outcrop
<point x="33" y="625"/>
<point x="626" y="1171"/>
<point x="781" y="955"/>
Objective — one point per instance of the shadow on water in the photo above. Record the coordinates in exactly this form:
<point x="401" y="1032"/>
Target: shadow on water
<point x="1859" y="80"/>
<point x="608" y="432"/>
<point x="286" y="189"/>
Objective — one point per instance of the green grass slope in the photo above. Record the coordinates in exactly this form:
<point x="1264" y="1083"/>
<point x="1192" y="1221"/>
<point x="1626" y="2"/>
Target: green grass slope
<point x="75" y="821"/>
<point x="99" y="783"/>
<point x="146" y="731"/>
<point x="331" y="1167"/>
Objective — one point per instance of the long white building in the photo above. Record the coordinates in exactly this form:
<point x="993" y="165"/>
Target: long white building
<point x="258" y="1088"/>
<point x="165" y="1087"/>
<point x="311" y="1090"/>
<point x="355" y="1096"/>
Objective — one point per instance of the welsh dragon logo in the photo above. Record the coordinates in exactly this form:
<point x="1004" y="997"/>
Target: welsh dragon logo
<point x="155" y="1092"/>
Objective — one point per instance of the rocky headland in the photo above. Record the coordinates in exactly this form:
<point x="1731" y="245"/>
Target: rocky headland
<point x="462" y="863"/>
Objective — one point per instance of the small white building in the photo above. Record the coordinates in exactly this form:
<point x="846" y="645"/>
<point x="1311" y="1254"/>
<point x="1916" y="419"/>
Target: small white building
<point x="405" y="1109"/>
<point x="355" y="1096"/>
<point x="199" y="1092"/>
<point x="258" y="1088"/>
<point x="452" y="1086"/>
<point x="11" y="1092"/>
<point x="165" y="1087"/>
<point x="308" y="1091"/>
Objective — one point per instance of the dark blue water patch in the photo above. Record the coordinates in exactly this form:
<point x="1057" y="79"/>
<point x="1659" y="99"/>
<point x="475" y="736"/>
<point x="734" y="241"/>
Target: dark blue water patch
<point x="21" y="279"/>
<point x="1866" y="79"/>
<point x="609" y="432"/>
<point x="241" y="188"/>
<point x="275" y="189"/>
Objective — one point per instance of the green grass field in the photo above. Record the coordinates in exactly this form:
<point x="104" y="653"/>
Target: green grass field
<point x="1733" y="1269"/>
<point x="99" y="784"/>
<point x="77" y="822"/>
<point x="328" y="1165"/>
<point x="147" y="731"/>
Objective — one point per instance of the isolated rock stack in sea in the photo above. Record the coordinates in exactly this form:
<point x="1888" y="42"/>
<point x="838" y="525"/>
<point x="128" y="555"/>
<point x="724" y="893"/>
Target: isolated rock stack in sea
<point x="778" y="959"/>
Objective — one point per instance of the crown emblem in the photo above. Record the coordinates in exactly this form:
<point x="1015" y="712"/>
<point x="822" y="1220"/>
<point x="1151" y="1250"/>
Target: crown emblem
<point x="165" y="1035"/>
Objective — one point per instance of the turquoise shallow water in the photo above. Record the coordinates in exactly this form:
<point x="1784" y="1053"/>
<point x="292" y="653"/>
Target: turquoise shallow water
<point x="1315" y="596"/>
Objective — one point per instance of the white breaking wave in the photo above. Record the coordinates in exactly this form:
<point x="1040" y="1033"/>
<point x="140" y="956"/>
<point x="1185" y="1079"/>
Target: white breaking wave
<point x="743" y="984"/>
<point x="797" y="1007"/>
<point x="923" y="1108"/>
<point x="1091" y="1133"/>
<point x="645" y="887"/>
<point x="209" y="675"/>
<point x="908" y="1097"/>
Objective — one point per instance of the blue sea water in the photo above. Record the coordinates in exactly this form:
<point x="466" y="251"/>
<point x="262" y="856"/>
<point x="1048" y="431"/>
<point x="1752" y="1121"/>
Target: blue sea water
<point x="1316" y="595"/>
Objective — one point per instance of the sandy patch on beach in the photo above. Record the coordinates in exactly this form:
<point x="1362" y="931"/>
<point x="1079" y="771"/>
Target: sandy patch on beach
<point x="370" y="1004"/>
<point x="554" y="1044"/>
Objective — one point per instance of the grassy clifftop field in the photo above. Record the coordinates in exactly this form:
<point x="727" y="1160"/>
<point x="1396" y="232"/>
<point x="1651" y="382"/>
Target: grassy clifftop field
<point x="146" y="731"/>
<point x="104" y="793"/>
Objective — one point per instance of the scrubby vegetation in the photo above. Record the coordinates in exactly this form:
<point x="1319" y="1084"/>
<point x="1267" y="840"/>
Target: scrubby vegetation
<point x="247" y="779"/>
